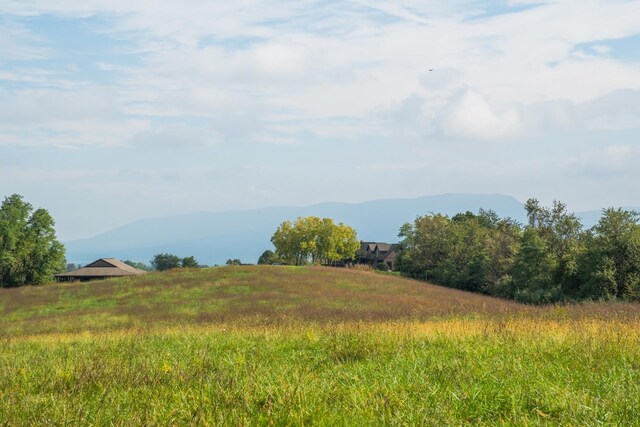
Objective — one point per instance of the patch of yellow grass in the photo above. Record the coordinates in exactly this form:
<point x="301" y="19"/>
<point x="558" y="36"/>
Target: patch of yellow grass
<point x="523" y="328"/>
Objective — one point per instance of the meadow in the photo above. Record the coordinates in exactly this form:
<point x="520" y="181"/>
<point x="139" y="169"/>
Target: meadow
<point x="309" y="346"/>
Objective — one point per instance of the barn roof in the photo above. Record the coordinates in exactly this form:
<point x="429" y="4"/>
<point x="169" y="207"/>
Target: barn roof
<point x="104" y="267"/>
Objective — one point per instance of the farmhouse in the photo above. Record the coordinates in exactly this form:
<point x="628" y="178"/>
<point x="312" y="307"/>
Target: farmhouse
<point x="104" y="268"/>
<point x="373" y="253"/>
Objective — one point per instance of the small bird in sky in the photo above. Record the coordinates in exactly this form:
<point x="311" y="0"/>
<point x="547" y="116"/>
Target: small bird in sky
<point x="430" y="69"/>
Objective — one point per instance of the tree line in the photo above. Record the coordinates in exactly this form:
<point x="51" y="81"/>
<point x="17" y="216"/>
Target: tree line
<point x="166" y="261"/>
<point x="551" y="258"/>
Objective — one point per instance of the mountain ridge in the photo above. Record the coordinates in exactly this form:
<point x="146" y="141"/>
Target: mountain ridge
<point x="214" y="237"/>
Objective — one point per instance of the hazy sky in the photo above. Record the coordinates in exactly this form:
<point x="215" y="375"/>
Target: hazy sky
<point x="116" y="110"/>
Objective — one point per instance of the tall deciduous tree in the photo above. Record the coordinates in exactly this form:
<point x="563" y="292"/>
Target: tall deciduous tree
<point x="29" y="250"/>
<point x="314" y="240"/>
<point x="533" y="270"/>
<point x="611" y="264"/>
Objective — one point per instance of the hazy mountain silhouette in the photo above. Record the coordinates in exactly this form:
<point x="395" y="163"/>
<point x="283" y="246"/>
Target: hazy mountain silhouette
<point x="214" y="237"/>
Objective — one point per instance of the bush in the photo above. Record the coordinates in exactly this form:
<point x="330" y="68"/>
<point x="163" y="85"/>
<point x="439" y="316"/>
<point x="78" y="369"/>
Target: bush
<point x="381" y="266"/>
<point x="269" y="257"/>
<point x="189" y="262"/>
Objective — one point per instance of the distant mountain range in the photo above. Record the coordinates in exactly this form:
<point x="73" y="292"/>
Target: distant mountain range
<point x="214" y="237"/>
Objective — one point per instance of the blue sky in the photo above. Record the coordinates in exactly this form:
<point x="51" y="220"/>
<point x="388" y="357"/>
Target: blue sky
<point x="115" y="111"/>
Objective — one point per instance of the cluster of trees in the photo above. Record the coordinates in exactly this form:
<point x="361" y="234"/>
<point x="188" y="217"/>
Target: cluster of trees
<point x="552" y="258"/>
<point x="29" y="250"/>
<point x="314" y="240"/>
<point x="162" y="262"/>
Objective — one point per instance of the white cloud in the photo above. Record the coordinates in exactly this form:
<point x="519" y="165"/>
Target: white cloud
<point x="610" y="160"/>
<point x="177" y="137"/>
<point x="41" y="117"/>
<point x="472" y="116"/>
<point x="293" y="84"/>
<point x="289" y="70"/>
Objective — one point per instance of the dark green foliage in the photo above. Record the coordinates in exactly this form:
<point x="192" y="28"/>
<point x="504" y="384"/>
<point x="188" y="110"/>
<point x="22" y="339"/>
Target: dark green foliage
<point x="611" y="263"/>
<point x="550" y="259"/>
<point x="189" y="262"/>
<point x="468" y="251"/>
<point x="533" y="270"/>
<point x="138" y="265"/>
<point x="381" y="266"/>
<point x="162" y="262"/>
<point x="29" y="250"/>
<point x="269" y="257"/>
<point x="234" y="261"/>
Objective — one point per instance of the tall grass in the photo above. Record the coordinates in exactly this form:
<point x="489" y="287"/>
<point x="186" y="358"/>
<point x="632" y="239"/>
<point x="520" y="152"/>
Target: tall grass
<point x="328" y="348"/>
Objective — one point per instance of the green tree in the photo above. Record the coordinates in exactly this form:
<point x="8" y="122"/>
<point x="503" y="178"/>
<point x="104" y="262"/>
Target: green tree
<point x="345" y="243"/>
<point x="189" y="262"/>
<point x="29" y="250"/>
<point x="564" y="237"/>
<point x="268" y="257"/>
<point x="288" y="241"/>
<point x="535" y="213"/>
<point x="467" y="251"/>
<point x="610" y="266"/>
<point x="138" y="265"/>
<point x="315" y="240"/>
<point x="533" y="270"/>
<point x="46" y="254"/>
<point x="425" y="249"/>
<point x="234" y="261"/>
<point x="552" y="259"/>
<point x="165" y="261"/>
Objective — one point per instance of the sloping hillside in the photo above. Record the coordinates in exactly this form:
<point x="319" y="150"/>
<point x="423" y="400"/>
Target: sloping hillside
<point x="249" y="295"/>
<point x="239" y="295"/>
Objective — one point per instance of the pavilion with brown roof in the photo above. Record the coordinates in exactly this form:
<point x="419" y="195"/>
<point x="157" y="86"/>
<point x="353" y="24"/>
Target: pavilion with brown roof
<point x="104" y="268"/>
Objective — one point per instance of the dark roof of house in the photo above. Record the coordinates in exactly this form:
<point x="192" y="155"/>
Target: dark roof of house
<point x="391" y="253"/>
<point x="104" y="267"/>
<point x="383" y="248"/>
<point x="368" y="246"/>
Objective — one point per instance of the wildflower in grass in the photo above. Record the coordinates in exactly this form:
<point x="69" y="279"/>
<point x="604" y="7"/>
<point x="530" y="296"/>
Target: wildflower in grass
<point x="166" y="367"/>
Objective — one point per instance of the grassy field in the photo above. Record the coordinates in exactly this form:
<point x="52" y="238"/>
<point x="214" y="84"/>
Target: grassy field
<point x="304" y="346"/>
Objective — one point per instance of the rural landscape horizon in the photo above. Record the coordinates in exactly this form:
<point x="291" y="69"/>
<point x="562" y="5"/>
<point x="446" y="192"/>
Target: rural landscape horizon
<point x="214" y="237"/>
<point x="320" y="212"/>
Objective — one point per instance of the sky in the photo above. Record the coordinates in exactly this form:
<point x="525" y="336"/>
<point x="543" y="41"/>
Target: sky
<point x="127" y="109"/>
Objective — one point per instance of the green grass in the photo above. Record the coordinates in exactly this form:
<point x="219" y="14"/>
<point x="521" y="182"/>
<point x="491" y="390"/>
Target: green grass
<point x="287" y="346"/>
